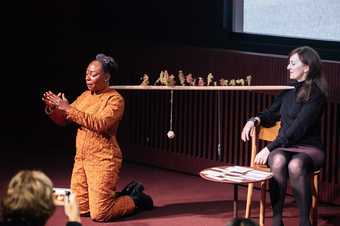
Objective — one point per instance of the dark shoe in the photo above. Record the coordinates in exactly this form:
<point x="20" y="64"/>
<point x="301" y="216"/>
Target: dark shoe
<point x="137" y="189"/>
<point x="85" y="214"/>
<point x="131" y="187"/>
<point x="142" y="201"/>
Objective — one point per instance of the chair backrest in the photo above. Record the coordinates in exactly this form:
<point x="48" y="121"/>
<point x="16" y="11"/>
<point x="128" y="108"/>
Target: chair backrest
<point x="269" y="134"/>
<point x="263" y="133"/>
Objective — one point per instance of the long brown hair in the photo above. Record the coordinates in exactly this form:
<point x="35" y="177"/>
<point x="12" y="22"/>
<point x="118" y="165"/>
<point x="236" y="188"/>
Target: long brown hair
<point x="310" y="57"/>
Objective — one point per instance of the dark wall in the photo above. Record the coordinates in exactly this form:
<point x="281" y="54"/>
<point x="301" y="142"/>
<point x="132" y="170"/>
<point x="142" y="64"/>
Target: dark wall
<point x="50" y="43"/>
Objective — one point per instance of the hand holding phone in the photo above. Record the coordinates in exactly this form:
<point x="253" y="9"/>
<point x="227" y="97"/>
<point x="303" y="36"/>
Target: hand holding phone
<point x="59" y="195"/>
<point x="71" y="207"/>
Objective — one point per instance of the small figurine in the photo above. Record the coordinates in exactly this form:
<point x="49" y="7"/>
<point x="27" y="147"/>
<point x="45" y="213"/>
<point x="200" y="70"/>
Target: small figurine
<point x="160" y="78"/>
<point x="189" y="80"/>
<point x="240" y="82"/>
<point x="200" y="81"/>
<point x="171" y="80"/>
<point x="165" y="78"/>
<point x="249" y="80"/>
<point x="181" y="77"/>
<point x="145" y="81"/>
<point x="232" y="82"/>
<point x="210" y="78"/>
<point x="221" y="82"/>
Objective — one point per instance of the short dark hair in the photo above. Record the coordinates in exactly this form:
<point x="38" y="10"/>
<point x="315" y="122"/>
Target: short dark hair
<point x="108" y="63"/>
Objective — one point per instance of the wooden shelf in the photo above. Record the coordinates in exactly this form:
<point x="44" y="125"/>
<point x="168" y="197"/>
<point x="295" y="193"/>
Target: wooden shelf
<point x="202" y="88"/>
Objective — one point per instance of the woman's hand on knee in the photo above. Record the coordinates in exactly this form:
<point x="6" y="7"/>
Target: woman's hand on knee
<point x="262" y="157"/>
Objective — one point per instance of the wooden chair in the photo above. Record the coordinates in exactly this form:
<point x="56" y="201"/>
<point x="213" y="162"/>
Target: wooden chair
<point x="269" y="134"/>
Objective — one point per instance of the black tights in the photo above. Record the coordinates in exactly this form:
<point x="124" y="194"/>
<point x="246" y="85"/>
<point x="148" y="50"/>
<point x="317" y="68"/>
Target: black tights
<point x="298" y="167"/>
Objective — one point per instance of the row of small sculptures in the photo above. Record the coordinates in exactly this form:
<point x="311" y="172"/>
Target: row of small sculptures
<point x="166" y="79"/>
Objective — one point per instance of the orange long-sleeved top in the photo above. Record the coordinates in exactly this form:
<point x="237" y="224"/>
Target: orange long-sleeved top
<point x="98" y="117"/>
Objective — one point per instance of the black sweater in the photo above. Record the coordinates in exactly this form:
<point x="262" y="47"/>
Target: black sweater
<point x="300" y="121"/>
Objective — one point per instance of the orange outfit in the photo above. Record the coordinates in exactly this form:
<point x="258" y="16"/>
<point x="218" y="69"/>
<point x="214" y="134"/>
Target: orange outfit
<point x="98" y="156"/>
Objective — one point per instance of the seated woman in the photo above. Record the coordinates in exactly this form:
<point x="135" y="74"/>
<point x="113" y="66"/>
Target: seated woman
<point x="29" y="200"/>
<point x="297" y="150"/>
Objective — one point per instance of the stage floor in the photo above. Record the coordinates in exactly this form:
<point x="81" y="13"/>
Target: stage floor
<point x="180" y="199"/>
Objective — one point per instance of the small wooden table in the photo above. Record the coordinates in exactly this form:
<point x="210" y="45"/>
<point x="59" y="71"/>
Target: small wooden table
<point x="235" y="175"/>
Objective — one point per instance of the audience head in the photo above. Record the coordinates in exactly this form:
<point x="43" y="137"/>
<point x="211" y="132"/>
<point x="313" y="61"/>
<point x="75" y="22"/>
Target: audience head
<point x="28" y="199"/>
<point x="242" y="222"/>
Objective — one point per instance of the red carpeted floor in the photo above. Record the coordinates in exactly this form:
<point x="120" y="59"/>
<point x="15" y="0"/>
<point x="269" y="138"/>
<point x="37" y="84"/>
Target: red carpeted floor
<point x="180" y="199"/>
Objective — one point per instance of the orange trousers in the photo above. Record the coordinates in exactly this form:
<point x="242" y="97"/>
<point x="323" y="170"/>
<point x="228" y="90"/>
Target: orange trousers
<point x="94" y="184"/>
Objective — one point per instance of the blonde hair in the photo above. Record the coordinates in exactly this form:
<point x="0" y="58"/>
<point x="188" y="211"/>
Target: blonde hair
<point x="28" y="198"/>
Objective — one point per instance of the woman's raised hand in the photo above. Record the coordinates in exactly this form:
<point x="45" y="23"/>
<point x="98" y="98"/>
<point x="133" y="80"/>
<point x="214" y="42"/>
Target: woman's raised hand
<point x="56" y="100"/>
<point x="47" y="99"/>
<point x="63" y="103"/>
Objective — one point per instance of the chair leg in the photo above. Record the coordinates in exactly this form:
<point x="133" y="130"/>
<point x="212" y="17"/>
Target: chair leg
<point x="249" y="199"/>
<point x="262" y="203"/>
<point x="315" y="196"/>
